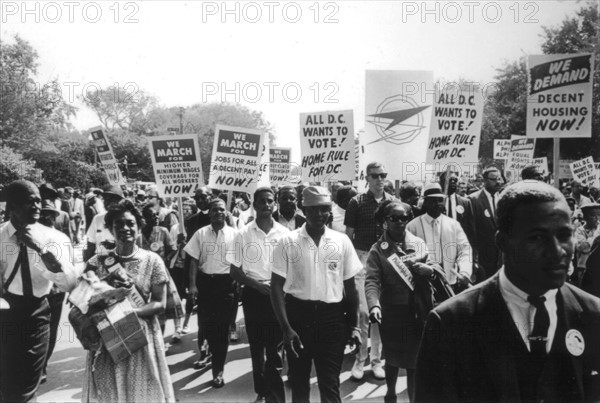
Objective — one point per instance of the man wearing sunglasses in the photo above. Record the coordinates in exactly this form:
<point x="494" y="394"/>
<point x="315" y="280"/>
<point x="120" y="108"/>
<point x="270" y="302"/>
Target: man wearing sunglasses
<point x="364" y="231"/>
<point x="447" y="243"/>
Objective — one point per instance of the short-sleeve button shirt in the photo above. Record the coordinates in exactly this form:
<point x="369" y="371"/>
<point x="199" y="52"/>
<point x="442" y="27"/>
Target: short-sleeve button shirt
<point x="252" y="250"/>
<point x="210" y="248"/>
<point x="360" y="215"/>
<point x="315" y="272"/>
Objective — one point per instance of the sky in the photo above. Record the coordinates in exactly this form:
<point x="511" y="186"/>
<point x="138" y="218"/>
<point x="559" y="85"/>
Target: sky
<point x="281" y="58"/>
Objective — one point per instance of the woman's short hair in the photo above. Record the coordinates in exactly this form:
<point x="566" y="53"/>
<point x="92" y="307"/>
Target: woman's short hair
<point x="121" y="208"/>
<point x="388" y="205"/>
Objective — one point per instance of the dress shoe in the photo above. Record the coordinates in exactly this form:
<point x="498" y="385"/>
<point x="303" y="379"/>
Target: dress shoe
<point x="218" y="382"/>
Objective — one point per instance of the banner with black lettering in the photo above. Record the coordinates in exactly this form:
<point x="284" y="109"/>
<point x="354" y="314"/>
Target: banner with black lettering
<point x="236" y="159"/>
<point x="585" y="171"/>
<point x="519" y="156"/>
<point x="455" y="128"/>
<point x="501" y="149"/>
<point x="106" y="156"/>
<point x="327" y="146"/>
<point x="560" y="95"/>
<point x="280" y="166"/>
<point x="176" y="163"/>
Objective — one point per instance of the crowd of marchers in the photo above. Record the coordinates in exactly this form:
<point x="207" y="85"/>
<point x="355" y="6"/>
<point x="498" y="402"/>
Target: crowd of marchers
<point x="478" y="289"/>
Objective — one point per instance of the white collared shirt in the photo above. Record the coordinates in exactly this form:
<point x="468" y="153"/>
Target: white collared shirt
<point x="493" y="200"/>
<point x="252" y="250"/>
<point x="289" y="224"/>
<point x="210" y="248"/>
<point x="523" y="313"/>
<point x="451" y="198"/>
<point x="338" y="218"/>
<point x="98" y="233"/>
<point x="449" y="246"/>
<point x="315" y="272"/>
<point x="55" y="242"/>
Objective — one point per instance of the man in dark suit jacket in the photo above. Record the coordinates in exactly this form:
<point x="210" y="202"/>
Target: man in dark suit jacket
<point x="483" y="203"/>
<point x="524" y="334"/>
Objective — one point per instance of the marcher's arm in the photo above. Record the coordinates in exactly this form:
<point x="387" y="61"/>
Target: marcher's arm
<point x="291" y="340"/>
<point x="157" y="304"/>
<point x="237" y="274"/>
<point x="194" y="267"/>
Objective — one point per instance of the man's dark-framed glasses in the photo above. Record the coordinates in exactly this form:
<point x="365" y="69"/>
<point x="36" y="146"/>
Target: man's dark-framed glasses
<point x="378" y="176"/>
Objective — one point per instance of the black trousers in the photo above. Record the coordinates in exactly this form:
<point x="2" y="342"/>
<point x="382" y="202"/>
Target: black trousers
<point x="264" y="336"/>
<point x="322" y="331"/>
<point x="56" y="302"/>
<point x="215" y="302"/>
<point x="24" y="338"/>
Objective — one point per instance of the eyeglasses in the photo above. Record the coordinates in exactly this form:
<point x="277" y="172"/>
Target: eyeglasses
<point x="377" y="176"/>
<point x="397" y="218"/>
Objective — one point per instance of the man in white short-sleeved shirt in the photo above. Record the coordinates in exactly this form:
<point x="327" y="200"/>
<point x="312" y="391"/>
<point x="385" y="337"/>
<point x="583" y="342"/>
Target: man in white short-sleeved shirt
<point x="212" y="285"/>
<point x="251" y="263"/>
<point x="314" y="267"/>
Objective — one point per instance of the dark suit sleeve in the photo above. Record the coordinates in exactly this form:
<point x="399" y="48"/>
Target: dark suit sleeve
<point x="436" y="369"/>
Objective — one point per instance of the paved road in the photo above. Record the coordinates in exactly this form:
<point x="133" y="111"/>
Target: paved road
<point x="66" y="367"/>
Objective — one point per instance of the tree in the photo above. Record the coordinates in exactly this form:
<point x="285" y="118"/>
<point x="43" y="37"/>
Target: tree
<point x="13" y="166"/>
<point x="127" y="108"/>
<point x="505" y="110"/>
<point x="29" y="109"/>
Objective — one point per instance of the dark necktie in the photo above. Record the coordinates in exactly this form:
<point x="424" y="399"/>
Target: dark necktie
<point x="541" y="323"/>
<point x="494" y="204"/>
<point x="25" y="272"/>
<point x="450" y="211"/>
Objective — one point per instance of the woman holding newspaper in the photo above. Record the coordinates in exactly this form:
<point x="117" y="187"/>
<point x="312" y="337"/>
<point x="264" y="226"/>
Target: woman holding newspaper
<point x="397" y="262"/>
<point x="143" y="375"/>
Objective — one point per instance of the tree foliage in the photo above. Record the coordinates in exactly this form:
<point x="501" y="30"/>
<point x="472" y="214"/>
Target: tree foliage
<point x="13" y="166"/>
<point x="29" y="109"/>
<point x="506" y="109"/>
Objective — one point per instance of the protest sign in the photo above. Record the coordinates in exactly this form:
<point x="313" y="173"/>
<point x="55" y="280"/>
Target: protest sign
<point x="559" y="103"/>
<point x="327" y="146"/>
<point x="519" y="156"/>
<point x="265" y="166"/>
<point x="106" y="156"/>
<point x="501" y="149"/>
<point x="280" y="165"/>
<point x="455" y="128"/>
<point x="585" y="171"/>
<point x="236" y="155"/>
<point x="542" y="163"/>
<point x="564" y="169"/>
<point x="398" y="116"/>
<point x="176" y="163"/>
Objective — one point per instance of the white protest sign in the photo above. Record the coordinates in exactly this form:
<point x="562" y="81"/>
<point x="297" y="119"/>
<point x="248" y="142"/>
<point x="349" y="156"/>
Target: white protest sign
<point x="542" y="163"/>
<point x="327" y="146"/>
<point x="280" y="166"/>
<point x="176" y="163"/>
<point x="519" y="156"/>
<point x="106" y="156"/>
<point x="455" y="128"/>
<point x="559" y="103"/>
<point x="265" y="166"/>
<point x="564" y="169"/>
<point x="398" y="116"/>
<point x="236" y="155"/>
<point x="501" y="149"/>
<point x="585" y="171"/>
